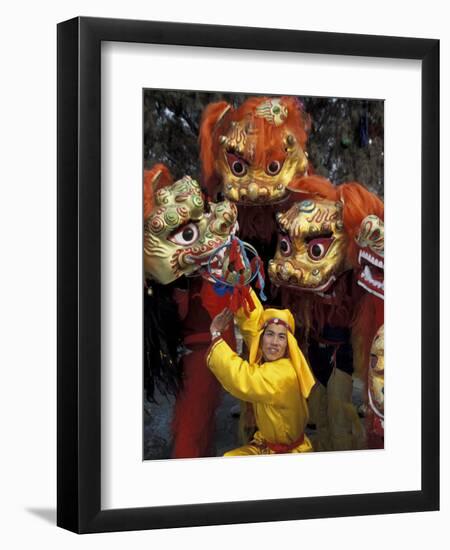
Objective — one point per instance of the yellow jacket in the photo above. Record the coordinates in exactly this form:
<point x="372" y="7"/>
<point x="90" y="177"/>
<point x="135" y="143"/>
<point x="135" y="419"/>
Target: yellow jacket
<point x="277" y="389"/>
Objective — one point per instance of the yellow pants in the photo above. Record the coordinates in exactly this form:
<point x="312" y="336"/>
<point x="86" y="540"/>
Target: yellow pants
<point x="259" y="448"/>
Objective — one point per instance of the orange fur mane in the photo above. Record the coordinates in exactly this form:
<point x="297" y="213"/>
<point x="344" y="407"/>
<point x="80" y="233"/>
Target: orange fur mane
<point x="156" y="178"/>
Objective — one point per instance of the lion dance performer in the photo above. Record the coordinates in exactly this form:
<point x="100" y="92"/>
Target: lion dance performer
<point x="315" y="265"/>
<point x="180" y="235"/>
<point x="275" y="381"/>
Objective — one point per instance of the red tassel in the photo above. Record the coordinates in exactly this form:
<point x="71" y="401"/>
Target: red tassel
<point x="248" y="298"/>
<point x="235" y="258"/>
<point x="241" y="295"/>
<point x="234" y="304"/>
<point x="242" y="298"/>
<point x="239" y="264"/>
<point x="234" y="252"/>
<point x="244" y="305"/>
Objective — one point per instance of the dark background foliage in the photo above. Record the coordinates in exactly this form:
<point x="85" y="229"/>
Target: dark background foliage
<point x="346" y="140"/>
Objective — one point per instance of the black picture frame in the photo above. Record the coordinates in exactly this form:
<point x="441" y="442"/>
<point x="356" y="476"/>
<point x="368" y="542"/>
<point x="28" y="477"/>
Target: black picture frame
<point x="79" y="276"/>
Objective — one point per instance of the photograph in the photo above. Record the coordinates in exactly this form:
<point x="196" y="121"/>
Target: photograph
<point x="263" y="258"/>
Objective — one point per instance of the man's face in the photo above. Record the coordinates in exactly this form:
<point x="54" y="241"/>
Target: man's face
<point x="274" y="342"/>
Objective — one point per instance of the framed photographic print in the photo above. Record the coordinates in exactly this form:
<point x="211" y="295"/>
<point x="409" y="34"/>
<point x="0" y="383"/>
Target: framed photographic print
<point x="196" y="162"/>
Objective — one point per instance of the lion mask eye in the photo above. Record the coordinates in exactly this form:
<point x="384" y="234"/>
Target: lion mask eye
<point x="317" y="248"/>
<point x="274" y="167"/>
<point x="185" y="235"/>
<point x="237" y="165"/>
<point x="285" y="245"/>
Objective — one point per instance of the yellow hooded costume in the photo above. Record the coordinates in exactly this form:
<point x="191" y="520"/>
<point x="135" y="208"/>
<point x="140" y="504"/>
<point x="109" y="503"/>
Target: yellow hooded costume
<point x="276" y="389"/>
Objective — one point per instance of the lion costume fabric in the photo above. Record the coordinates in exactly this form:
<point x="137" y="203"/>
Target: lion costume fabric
<point x="181" y="232"/>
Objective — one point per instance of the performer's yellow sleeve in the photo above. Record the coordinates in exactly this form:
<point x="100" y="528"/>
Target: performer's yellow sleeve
<point x="265" y="383"/>
<point x="249" y="325"/>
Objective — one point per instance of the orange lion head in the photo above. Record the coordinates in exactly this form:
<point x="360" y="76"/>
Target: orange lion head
<point x="317" y="240"/>
<point x="252" y="153"/>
